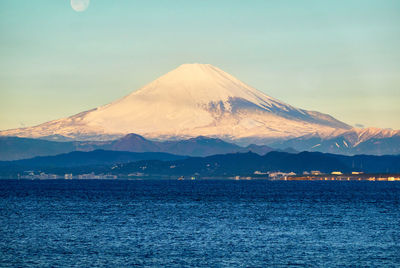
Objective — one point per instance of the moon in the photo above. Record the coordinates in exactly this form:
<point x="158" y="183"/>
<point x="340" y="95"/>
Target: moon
<point x="80" y="5"/>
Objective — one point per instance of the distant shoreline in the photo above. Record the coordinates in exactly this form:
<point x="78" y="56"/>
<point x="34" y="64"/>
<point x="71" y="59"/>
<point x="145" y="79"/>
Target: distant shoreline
<point x="323" y="177"/>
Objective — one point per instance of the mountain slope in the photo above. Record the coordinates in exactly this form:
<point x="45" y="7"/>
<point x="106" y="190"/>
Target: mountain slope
<point x="190" y="101"/>
<point x="199" y="146"/>
<point x="97" y="157"/>
<point x="14" y="148"/>
<point x="350" y="142"/>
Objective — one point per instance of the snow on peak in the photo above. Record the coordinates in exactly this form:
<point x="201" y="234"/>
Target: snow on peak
<point x="200" y="84"/>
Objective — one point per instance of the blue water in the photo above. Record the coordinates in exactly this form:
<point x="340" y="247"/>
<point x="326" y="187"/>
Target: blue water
<point x="199" y="224"/>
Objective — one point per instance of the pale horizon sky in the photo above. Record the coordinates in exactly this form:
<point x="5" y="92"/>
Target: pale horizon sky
<point x="336" y="57"/>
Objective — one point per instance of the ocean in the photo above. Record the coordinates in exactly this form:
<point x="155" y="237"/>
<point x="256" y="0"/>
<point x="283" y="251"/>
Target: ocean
<point x="201" y="223"/>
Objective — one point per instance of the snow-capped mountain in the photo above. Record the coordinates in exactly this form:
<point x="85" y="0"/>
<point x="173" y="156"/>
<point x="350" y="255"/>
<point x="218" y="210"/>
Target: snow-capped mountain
<point x="354" y="141"/>
<point x="192" y="100"/>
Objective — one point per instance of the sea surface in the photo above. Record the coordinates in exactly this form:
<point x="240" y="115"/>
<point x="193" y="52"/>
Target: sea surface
<point x="209" y="223"/>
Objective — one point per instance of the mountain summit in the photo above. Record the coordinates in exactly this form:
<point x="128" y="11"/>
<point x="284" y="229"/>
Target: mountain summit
<point x="192" y="100"/>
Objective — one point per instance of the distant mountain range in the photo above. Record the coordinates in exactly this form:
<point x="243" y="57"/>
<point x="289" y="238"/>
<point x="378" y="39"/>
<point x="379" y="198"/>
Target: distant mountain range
<point x="351" y="142"/>
<point x="92" y="158"/>
<point x="237" y="164"/>
<point x="371" y="141"/>
<point x="14" y="148"/>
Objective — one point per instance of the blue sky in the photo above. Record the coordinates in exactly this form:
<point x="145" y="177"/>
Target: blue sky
<point x="336" y="57"/>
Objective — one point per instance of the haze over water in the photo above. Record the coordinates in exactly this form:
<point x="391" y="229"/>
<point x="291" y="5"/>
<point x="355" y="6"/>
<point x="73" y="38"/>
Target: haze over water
<point x="199" y="223"/>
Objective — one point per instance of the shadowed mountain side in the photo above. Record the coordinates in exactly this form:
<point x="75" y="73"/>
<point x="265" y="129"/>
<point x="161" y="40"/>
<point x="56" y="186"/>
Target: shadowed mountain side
<point x="200" y="146"/>
<point x="97" y="157"/>
<point x="13" y="148"/>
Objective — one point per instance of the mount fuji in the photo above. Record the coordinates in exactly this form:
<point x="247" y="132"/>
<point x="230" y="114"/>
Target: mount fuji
<point x="192" y="100"/>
